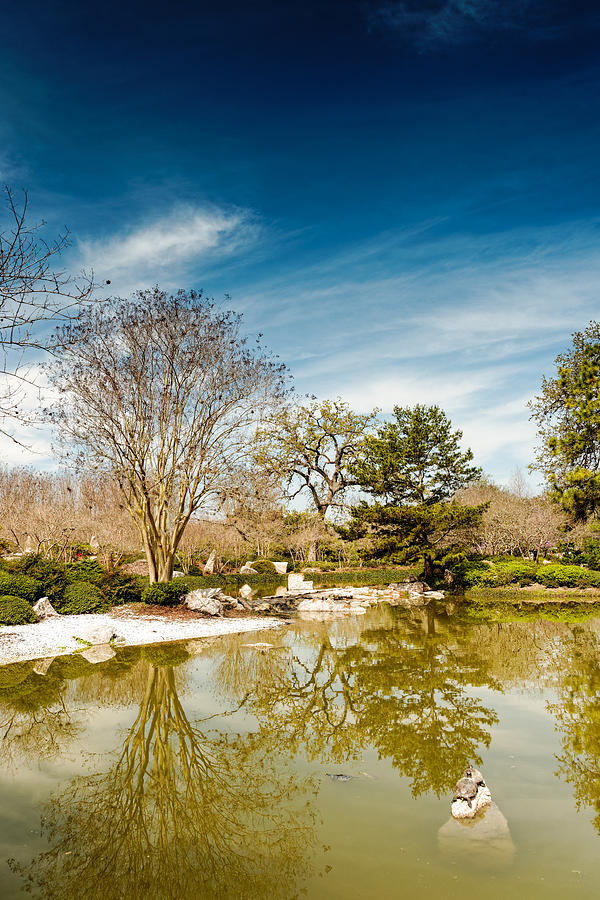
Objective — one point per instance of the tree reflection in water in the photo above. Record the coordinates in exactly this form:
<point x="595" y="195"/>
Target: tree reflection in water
<point x="183" y="813"/>
<point x="400" y="688"/>
<point x="577" y="713"/>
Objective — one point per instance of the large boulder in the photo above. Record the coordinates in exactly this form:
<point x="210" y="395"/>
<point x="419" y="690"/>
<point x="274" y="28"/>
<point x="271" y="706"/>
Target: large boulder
<point x="298" y="584"/>
<point x="246" y="592"/>
<point x="205" y="601"/>
<point x="280" y="567"/>
<point x="44" y="609"/>
<point x="248" y="570"/>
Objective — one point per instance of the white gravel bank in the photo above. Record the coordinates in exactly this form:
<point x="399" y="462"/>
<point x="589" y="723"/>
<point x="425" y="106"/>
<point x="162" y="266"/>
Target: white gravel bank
<point x="57" y="637"/>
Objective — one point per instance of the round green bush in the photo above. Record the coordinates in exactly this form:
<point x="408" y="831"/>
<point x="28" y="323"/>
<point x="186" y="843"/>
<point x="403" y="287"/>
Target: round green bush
<point x="18" y="585"/>
<point x="264" y="567"/>
<point x="15" y="611"/>
<point x="168" y="593"/>
<point x="119" y="587"/>
<point x="80" y="598"/>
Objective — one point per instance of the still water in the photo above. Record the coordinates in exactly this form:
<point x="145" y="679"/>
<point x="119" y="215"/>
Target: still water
<point x="203" y="769"/>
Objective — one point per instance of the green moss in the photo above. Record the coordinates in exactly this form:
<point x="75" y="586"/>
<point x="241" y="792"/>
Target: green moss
<point x="15" y="611"/>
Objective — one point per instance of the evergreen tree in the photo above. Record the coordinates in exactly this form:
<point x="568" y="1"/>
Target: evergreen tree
<point x="567" y="413"/>
<point x="413" y="467"/>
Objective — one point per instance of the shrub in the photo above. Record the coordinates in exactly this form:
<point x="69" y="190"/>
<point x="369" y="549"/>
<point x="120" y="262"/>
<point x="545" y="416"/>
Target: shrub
<point x="15" y="611"/>
<point x="51" y="575"/>
<point x="118" y="587"/>
<point x="87" y="570"/>
<point x="567" y="576"/>
<point x="168" y="593"/>
<point x="82" y="597"/>
<point x="18" y="585"/>
<point x="264" y="567"/>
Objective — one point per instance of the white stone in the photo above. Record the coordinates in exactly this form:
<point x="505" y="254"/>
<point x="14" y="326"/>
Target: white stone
<point x="280" y="567"/>
<point x="44" y="609"/>
<point x="295" y="582"/>
<point x="96" y="634"/>
<point x="246" y="592"/>
<point x="205" y="602"/>
<point x="98" y="654"/>
<point x="209" y="567"/>
<point x="177" y="574"/>
<point x="248" y="570"/>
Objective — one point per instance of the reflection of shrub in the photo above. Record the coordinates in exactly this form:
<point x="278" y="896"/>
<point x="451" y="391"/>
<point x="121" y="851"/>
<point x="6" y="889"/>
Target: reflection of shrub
<point x="87" y="570"/>
<point x="50" y="574"/>
<point x="18" y="585"/>
<point x="165" y="655"/>
<point x="167" y="593"/>
<point x="12" y="675"/>
<point x="15" y="611"/>
<point x="80" y="598"/>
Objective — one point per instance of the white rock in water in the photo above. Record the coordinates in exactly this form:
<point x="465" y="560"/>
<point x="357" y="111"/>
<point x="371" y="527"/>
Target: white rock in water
<point x="434" y="595"/>
<point x="44" y="609"/>
<point x="96" y="634"/>
<point x="204" y="602"/>
<point x="297" y="583"/>
<point x="99" y="653"/>
<point x="460" y="809"/>
<point x="329" y="604"/>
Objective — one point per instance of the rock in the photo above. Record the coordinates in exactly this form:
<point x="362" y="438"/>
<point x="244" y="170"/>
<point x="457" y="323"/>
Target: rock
<point x="42" y="665"/>
<point x="281" y="591"/>
<point x="246" y="592"/>
<point x="434" y="595"/>
<point x="177" y="574"/>
<point x="262" y="607"/>
<point x="248" y="570"/>
<point x="414" y="587"/>
<point x="330" y="604"/>
<point x="44" y="609"/>
<point x="297" y="583"/>
<point x="94" y="542"/>
<point x="339" y="777"/>
<point x="205" y="601"/>
<point x="96" y="634"/>
<point x="98" y="654"/>
<point x="209" y="566"/>
<point x="280" y="567"/>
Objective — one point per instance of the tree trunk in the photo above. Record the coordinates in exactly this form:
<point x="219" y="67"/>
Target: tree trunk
<point x="428" y="569"/>
<point x="313" y="550"/>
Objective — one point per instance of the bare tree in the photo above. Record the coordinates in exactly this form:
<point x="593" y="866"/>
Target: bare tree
<point x="34" y="292"/>
<point x="162" y="392"/>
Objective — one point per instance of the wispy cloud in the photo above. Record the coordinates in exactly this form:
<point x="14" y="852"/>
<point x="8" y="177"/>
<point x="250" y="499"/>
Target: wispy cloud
<point x="447" y="22"/>
<point x="168" y="245"/>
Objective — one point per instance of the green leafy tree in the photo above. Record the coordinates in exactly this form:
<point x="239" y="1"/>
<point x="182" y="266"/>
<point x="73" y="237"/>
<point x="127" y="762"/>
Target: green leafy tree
<point x="567" y="413"/>
<point x="413" y="466"/>
<point x="312" y="449"/>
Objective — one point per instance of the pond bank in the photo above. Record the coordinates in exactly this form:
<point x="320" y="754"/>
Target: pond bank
<point x="69" y="634"/>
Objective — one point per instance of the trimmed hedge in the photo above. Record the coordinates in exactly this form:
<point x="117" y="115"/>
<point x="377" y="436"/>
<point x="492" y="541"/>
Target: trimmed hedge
<point x="501" y="573"/>
<point x="15" y="611"/>
<point x="17" y="585"/>
<point x="264" y="567"/>
<point x="165" y="593"/>
<point x="81" y="598"/>
<point x="86" y="570"/>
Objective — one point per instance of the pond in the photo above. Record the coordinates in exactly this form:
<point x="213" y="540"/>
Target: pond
<point x="204" y="769"/>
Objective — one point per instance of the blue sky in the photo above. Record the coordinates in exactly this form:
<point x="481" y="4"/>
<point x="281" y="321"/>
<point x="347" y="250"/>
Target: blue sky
<point x="403" y="196"/>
